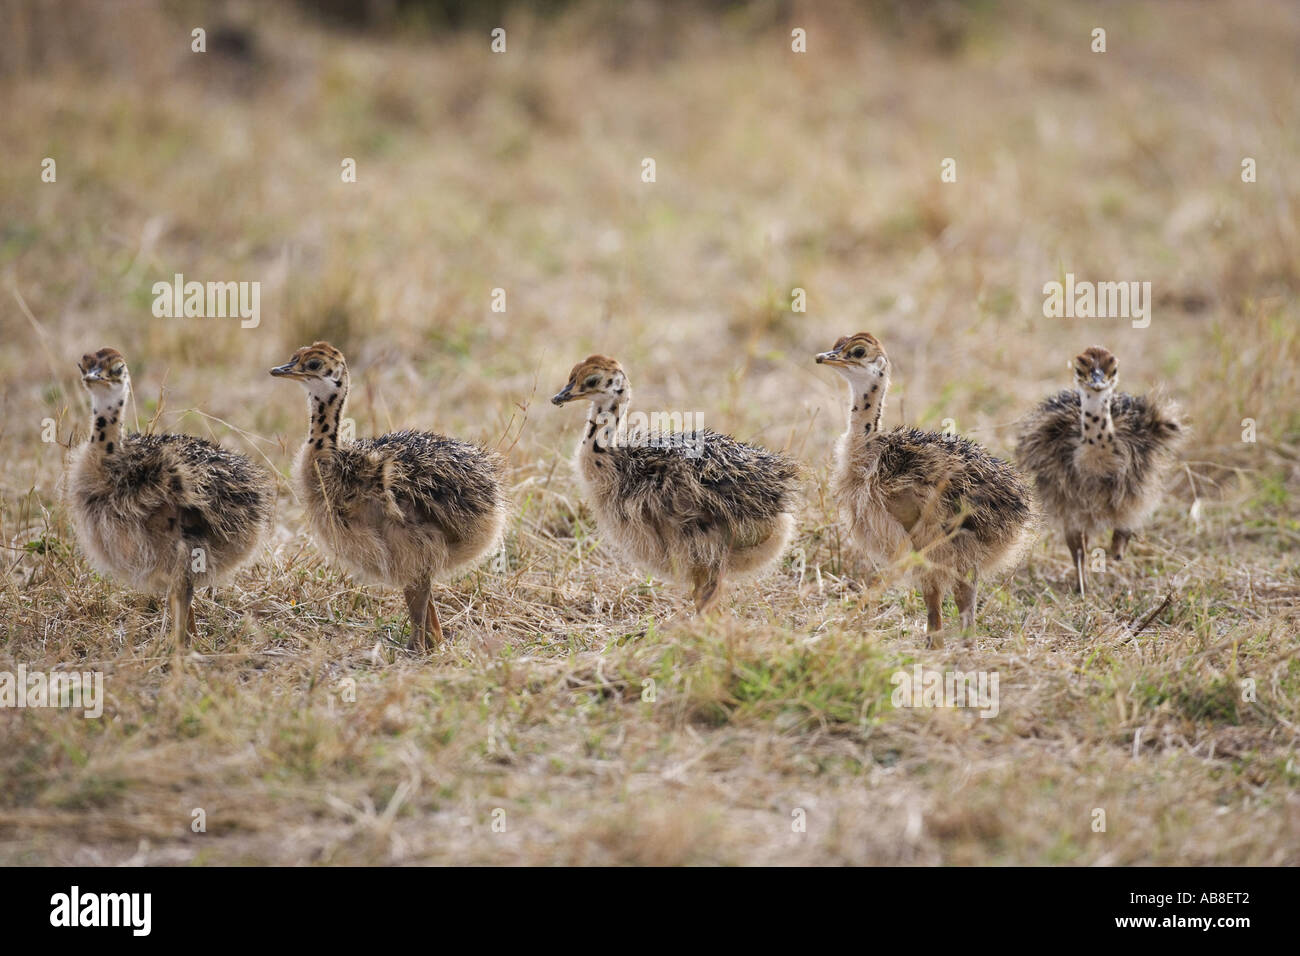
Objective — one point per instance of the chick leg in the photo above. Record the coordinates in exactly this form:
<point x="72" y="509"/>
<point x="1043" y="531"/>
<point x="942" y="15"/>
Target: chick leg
<point x="1077" y="542"/>
<point x="708" y="588"/>
<point x="932" y="591"/>
<point x="965" y="593"/>
<point x="697" y="580"/>
<point x="418" y="603"/>
<point x="1118" y="542"/>
<point x="434" y="625"/>
<point x="180" y="605"/>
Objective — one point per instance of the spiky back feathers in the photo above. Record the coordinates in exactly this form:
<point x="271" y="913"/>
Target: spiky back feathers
<point x="702" y="477"/>
<point x="428" y="478"/>
<point x="1147" y="431"/>
<point x="221" y="497"/>
<point x="982" y="494"/>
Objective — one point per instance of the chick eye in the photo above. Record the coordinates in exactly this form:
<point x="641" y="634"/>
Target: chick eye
<point x="859" y="352"/>
<point x="115" y="370"/>
<point x="313" y="365"/>
<point x="591" y="382"/>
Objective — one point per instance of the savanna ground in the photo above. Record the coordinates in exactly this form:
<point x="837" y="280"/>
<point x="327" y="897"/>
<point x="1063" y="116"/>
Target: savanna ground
<point x="775" y="170"/>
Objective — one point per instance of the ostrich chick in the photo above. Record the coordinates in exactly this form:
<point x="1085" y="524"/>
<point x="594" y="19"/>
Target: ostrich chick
<point x="165" y="513"/>
<point x="695" y="506"/>
<point x="966" y="512"/>
<point x="1098" y="456"/>
<point x="400" y="509"/>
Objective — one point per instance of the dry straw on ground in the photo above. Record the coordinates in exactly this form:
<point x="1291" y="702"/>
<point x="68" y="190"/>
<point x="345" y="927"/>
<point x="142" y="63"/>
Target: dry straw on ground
<point x="775" y="171"/>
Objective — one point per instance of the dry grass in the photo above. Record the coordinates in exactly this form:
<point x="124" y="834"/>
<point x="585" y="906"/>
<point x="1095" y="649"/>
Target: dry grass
<point x="774" y="171"/>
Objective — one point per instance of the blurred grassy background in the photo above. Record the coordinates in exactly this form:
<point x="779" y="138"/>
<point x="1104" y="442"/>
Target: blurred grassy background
<point x="775" y="170"/>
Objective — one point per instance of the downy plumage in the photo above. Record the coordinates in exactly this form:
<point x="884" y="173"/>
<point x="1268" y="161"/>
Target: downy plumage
<point x="903" y="490"/>
<point x="694" y="506"/>
<point x="1099" y="457"/>
<point x="164" y="513"/>
<point x="402" y="509"/>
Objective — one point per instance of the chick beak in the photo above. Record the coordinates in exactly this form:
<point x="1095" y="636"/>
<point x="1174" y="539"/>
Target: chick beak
<point x="282" y="370"/>
<point x="91" y="375"/>
<point x="829" y="358"/>
<point x="563" y="395"/>
<point x="1098" y="379"/>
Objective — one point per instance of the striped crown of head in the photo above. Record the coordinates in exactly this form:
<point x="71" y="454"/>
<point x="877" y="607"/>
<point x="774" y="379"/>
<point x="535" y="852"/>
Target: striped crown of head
<point x="106" y="365"/>
<point x="856" y="351"/>
<point x="318" y="360"/>
<point x="594" y="375"/>
<point x="1096" y="368"/>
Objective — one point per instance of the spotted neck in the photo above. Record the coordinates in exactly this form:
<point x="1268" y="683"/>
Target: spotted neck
<point x="325" y="401"/>
<point x="107" y="405"/>
<point x="866" y="408"/>
<point x="606" y="421"/>
<point x="1097" y="429"/>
